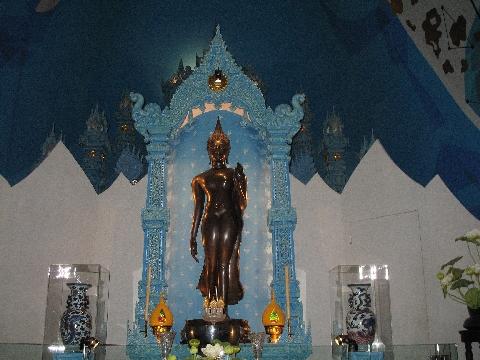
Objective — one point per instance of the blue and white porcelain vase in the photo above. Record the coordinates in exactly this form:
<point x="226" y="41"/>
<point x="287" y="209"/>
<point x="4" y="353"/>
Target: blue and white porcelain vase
<point x="360" y="319"/>
<point x="76" y="321"/>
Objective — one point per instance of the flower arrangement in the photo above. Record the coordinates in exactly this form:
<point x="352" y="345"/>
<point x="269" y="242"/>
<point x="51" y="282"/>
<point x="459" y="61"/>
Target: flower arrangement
<point x="214" y="351"/>
<point x="463" y="284"/>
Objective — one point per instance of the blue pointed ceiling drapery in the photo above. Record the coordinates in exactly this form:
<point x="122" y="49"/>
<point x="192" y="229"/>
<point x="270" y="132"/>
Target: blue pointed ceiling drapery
<point x="351" y="55"/>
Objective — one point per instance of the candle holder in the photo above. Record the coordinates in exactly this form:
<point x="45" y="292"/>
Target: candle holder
<point x="257" y="340"/>
<point x="161" y="318"/>
<point x="88" y="346"/>
<point x="274" y="332"/>
<point x="147" y="300"/>
<point x="441" y="352"/>
<point x="273" y="320"/>
<point x="165" y="342"/>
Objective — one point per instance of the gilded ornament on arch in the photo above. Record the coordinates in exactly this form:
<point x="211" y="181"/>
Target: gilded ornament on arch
<point x="217" y="81"/>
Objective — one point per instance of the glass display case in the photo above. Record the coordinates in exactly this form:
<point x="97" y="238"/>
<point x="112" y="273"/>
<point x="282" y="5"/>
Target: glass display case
<point x="77" y="308"/>
<point x="360" y="308"/>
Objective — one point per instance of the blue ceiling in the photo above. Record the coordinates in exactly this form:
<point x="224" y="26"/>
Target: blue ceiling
<point x="353" y="55"/>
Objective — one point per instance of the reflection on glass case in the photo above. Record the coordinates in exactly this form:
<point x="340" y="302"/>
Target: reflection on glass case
<point x="360" y="308"/>
<point x="76" y="313"/>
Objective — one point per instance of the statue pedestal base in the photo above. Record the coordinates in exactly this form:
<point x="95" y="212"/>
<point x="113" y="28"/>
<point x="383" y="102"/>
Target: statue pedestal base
<point x="234" y="331"/>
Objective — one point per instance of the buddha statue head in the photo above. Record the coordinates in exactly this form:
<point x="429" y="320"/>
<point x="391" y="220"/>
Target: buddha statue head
<point x="218" y="146"/>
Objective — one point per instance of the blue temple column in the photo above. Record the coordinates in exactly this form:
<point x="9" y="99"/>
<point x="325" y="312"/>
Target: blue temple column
<point x="282" y="216"/>
<point x="155" y="221"/>
<point x="155" y="215"/>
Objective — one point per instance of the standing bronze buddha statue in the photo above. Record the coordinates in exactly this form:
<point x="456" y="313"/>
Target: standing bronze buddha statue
<point x="220" y="197"/>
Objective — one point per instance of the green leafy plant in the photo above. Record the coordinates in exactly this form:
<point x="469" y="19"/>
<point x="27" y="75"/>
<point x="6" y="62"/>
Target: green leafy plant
<point x="463" y="284"/>
<point x="193" y="345"/>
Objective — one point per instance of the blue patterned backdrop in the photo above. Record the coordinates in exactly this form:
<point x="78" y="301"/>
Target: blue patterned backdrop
<point x="189" y="158"/>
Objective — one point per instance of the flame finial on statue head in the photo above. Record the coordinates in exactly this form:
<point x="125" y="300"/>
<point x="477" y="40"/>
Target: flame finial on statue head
<point x="218" y="142"/>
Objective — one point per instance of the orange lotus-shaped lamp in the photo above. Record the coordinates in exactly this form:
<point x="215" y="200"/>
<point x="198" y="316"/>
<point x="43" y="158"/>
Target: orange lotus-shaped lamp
<point x="161" y="319"/>
<point x="273" y="319"/>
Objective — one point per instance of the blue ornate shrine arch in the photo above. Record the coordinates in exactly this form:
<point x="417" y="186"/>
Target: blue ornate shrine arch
<point x="161" y="128"/>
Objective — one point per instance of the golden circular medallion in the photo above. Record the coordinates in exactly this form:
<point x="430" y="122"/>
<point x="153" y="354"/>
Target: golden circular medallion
<point x="217" y="81"/>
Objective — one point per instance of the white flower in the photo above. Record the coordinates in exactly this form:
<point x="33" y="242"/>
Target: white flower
<point x="470" y="270"/>
<point x="473" y="270"/>
<point x="476" y="269"/>
<point x="213" y="351"/>
<point x="472" y="234"/>
<point x="447" y="280"/>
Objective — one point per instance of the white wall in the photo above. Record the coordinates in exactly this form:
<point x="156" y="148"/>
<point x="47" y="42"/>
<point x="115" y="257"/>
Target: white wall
<point x="386" y="218"/>
<point x="319" y="247"/>
<point x="390" y="219"/>
<point x="120" y="248"/>
<point x="381" y="220"/>
<point x="48" y="218"/>
<point x="54" y="216"/>
<point x="442" y="219"/>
